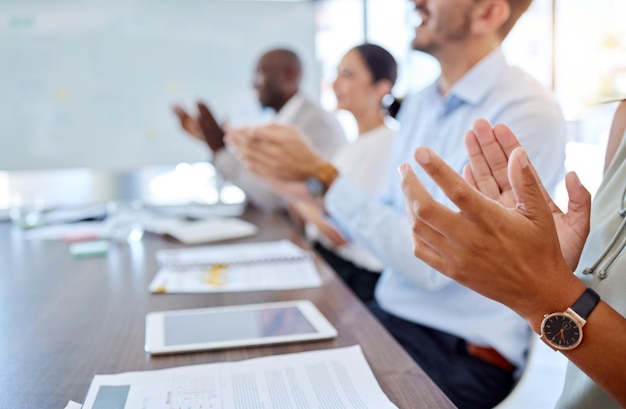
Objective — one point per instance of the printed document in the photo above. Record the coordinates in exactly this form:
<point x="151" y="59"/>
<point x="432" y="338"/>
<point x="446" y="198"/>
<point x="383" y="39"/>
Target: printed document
<point x="332" y="378"/>
<point x="272" y="265"/>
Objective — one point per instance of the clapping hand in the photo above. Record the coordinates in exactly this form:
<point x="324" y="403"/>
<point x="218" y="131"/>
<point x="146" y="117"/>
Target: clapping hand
<point x="489" y="150"/>
<point x="276" y="151"/>
<point x="202" y="127"/>
<point x="188" y="123"/>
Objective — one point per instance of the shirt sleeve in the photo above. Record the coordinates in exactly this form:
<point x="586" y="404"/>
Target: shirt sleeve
<point x="380" y="228"/>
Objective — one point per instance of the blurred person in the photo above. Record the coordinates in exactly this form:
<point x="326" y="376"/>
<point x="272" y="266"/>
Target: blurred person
<point x="528" y="248"/>
<point x="472" y="347"/>
<point x="276" y="80"/>
<point x="365" y="76"/>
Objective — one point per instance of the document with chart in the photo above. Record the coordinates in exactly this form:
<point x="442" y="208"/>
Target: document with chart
<point x="271" y="265"/>
<point x="332" y="378"/>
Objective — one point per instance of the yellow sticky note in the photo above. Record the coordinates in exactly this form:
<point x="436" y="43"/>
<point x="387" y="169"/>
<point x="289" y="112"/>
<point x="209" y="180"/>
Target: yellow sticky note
<point x="215" y="275"/>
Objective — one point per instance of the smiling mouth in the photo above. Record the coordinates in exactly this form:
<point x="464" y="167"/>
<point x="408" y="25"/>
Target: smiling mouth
<point x="417" y="17"/>
<point x="423" y="16"/>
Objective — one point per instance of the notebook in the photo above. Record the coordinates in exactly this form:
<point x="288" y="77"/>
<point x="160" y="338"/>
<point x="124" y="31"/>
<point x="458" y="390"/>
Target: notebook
<point x="201" y="231"/>
<point x="271" y="265"/>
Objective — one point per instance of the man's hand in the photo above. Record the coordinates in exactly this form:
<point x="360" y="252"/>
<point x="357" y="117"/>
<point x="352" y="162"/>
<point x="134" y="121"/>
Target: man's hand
<point x="212" y="131"/>
<point x="188" y="123"/>
<point x="489" y="150"/>
<point x="276" y="151"/>
<point x="204" y="127"/>
<point x="509" y="254"/>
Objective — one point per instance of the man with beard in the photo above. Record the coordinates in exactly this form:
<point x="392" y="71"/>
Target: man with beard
<point x="471" y="346"/>
<point x="276" y="81"/>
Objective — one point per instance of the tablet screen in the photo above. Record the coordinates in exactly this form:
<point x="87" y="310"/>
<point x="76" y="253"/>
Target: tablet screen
<point x="223" y="326"/>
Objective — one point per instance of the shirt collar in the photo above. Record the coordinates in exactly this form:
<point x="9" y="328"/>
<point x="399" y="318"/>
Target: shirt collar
<point x="287" y="112"/>
<point x="474" y="86"/>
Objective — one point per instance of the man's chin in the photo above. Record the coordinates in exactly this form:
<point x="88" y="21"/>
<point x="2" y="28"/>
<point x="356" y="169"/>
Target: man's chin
<point x="418" y="45"/>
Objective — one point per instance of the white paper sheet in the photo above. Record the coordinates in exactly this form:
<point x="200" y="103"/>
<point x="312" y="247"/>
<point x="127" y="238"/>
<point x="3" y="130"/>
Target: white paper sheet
<point x="276" y="265"/>
<point x="333" y="378"/>
<point x="73" y="405"/>
<point x="202" y="231"/>
<point x="189" y="232"/>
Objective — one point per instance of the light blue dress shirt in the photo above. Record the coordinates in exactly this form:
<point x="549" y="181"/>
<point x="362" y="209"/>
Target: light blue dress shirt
<point x="408" y="287"/>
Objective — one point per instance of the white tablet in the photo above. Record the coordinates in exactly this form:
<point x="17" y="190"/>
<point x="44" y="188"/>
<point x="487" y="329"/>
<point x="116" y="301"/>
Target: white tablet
<point x="235" y="326"/>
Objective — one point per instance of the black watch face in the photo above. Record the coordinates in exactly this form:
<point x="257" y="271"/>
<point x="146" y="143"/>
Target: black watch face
<point x="561" y="331"/>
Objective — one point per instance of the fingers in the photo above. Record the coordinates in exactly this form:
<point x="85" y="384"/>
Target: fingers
<point x="258" y="154"/>
<point x="431" y="220"/>
<point x="527" y="188"/>
<point x="487" y="159"/>
<point x="574" y="233"/>
<point x="469" y="176"/>
<point x="418" y="204"/>
<point x="266" y="140"/>
<point x="206" y="116"/>
<point x="188" y="123"/>
<point x="579" y="204"/>
<point x="280" y="134"/>
<point x="278" y="151"/>
<point x="211" y="130"/>
<point x="180" y="113"/>
<point x="207" y="119"/>
<point x="479" y="170"/>
<point x="506" y="139"/>
<point x="451" y="183"/>
<point x="235" y="137"/>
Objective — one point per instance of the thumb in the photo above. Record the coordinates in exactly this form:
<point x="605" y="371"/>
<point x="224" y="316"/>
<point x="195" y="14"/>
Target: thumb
<point x="579" y="204"/>
<point x="526" y="187"/>
<point x="579" y="197"/>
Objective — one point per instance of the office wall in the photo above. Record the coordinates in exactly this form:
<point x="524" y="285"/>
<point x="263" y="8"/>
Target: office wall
<point x="90" y="83"/>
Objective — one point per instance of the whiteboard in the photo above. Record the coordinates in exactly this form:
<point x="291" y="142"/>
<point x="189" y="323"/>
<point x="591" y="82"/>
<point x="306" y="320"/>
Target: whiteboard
<point x="91" y="83"/>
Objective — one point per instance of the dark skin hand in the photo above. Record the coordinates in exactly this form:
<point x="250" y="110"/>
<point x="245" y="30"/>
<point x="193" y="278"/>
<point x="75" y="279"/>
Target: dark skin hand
<point x="204" y="127"/>
<point x="188" y="123"/>
<point x="213" y="132"/>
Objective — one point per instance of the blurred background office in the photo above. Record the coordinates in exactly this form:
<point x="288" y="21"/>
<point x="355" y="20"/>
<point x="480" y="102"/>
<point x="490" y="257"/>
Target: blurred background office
<point x="87" y="86"/>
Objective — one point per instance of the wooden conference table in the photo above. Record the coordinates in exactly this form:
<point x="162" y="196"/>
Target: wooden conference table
<point x="64" y="320"/>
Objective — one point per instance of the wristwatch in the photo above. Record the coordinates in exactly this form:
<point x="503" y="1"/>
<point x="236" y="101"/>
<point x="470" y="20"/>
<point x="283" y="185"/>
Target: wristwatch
<point x="564" y="330"/>
<point x="318" y="184"/>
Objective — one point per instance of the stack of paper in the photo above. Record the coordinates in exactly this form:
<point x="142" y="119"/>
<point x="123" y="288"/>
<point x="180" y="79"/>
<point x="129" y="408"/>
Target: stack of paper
<point x="334" y="378"/>
<point x="275" y="265"/>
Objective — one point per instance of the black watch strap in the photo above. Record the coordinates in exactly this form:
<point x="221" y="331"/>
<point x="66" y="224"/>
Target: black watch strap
<point x="586" y="303"/>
